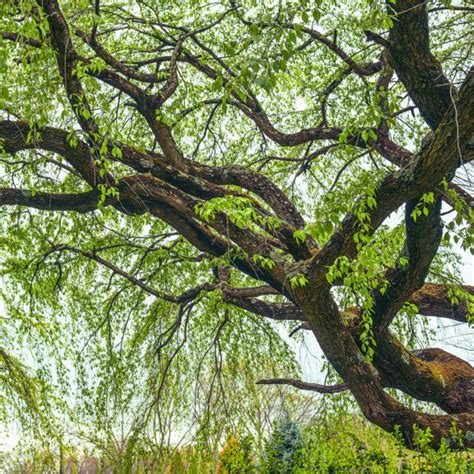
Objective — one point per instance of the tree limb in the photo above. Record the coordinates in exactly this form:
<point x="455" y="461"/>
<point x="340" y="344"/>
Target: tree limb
<point x="313" y="387"/>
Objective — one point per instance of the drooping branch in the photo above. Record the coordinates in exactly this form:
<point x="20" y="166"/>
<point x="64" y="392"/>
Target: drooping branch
<point x="154" y="192"/>
<point x="185" y="297"/>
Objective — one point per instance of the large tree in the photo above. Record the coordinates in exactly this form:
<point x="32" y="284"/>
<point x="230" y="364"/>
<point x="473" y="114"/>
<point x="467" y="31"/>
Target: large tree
<point x="292" y="159"/>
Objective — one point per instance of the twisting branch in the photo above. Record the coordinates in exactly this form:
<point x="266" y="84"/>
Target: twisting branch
<point x="128" y="72"/>
<point x="330" y="43"/>
<point x="175" y="190"/>
<point x="67" y="65"/>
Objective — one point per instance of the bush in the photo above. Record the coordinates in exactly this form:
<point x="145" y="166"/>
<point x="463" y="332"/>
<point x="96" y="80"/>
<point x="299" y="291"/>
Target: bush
<point x="349" y="445"/>
<point x="236" y="457"/>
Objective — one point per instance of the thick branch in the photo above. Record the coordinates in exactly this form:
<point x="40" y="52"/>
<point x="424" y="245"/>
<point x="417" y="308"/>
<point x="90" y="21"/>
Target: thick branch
<point x="431" y="375"/>
<point x="67" y="64"/>
<point x="417" y="68"/>
<point x="84" y="202"/>
<point x="423" y="236"/>
<point x="18" y="135"/>
<point x="434" y="300"/>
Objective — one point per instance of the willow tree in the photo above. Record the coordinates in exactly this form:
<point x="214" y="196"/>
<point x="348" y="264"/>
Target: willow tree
<point x="288" y="161"/>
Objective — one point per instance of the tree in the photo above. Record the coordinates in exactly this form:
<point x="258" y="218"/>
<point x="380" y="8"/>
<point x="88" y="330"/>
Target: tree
<point x="257" y="151"/>
<point x="283" y="447"/>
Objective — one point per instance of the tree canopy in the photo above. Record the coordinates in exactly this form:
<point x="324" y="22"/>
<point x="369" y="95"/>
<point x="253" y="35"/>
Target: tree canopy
<point x="184" y="184"/>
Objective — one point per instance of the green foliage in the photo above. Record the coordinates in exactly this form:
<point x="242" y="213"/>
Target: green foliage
<point x="299" y="235"/>
<point x="459" y="296"/>
<point x="264" y="262"/>
<point x="236" y="456"/>
<point x="460" y="229"/>
<point x="283" y="449"/>
<point x="239" y="210"/>
<point x="422" y="206"/>
<point x="298" y="280"/>
<point x="349" y="444"/>
<point x="336" y="443"/>
<point x="80" y="344"/>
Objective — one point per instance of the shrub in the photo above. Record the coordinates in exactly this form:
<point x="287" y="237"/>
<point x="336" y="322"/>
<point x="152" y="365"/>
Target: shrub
<point x="236" y="457"/>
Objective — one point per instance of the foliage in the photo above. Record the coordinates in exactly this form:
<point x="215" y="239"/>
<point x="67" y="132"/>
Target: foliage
<point x="283" y="448"/>
<point x="160" y="161"/>
<point x="236" y="456"/>
<point x="341" y="444"/>
<point x="348" y="444"/>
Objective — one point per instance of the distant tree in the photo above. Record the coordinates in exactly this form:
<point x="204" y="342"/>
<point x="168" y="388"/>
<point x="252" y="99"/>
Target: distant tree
<point x="283" y="448"/>
<point x="175" y="175"/>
